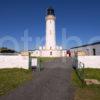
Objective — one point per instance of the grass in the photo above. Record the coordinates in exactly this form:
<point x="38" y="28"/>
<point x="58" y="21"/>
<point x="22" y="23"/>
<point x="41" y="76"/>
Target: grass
<point x="91" y="92"/>
<point x="44" y="59"/>
<point x="13" y="78"/>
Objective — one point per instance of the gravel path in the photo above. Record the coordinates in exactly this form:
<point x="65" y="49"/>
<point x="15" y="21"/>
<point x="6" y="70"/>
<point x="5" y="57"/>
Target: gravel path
<point x="53" y="83"/>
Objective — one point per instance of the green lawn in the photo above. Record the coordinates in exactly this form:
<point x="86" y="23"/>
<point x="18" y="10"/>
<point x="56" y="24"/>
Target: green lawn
<point x="91" y="92"/>
<point x="12" y="78"/>
<point x="44" y="59"/>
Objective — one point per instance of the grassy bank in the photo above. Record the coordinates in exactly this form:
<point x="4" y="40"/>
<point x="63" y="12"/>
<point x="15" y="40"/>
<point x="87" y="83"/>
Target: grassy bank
<point x="91" y="92"/>
<point x="12" y="78"/>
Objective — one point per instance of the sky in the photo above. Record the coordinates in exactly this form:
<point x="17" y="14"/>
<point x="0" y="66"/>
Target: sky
<point x="80" y="19"/>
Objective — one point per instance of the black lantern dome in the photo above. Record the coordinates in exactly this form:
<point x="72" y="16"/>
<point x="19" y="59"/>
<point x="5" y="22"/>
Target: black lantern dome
<point x="50" y="11"/>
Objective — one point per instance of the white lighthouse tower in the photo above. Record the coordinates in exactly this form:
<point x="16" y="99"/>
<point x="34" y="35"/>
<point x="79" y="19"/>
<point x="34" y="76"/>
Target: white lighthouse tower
<point x="50" y="30"/>
<point x="50" y="49"/>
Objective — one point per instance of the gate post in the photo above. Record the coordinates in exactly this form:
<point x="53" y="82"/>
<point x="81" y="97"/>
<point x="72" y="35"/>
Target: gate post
<point x="29" y="55"/>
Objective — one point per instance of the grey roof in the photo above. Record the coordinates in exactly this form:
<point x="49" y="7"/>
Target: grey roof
<point x="96" y="43"/>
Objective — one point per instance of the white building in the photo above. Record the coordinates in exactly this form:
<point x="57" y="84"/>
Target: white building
<point x="89" y="49"/>
<point x="50" y="49"/>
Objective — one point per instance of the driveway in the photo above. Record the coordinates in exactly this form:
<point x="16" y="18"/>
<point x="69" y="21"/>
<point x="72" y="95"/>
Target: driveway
<point x="52" y="83"/>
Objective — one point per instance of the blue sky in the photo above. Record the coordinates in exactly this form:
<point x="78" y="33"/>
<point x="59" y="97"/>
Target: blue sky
<point x="81" y="18"/>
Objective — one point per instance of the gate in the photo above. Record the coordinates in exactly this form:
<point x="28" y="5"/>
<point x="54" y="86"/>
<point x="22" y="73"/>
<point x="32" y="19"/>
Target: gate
<point x="79" y="70"/>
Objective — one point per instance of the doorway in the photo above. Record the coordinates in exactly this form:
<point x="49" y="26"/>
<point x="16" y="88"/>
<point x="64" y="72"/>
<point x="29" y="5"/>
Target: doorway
<point x="51" y="53"/>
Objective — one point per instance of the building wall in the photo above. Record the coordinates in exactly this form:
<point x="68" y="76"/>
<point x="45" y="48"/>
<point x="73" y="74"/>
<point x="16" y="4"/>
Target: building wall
<point x="97" y="47"/>
<point x="35" y="53"/>
<point x="49" y="53"/>
<point x="87" y="50"/>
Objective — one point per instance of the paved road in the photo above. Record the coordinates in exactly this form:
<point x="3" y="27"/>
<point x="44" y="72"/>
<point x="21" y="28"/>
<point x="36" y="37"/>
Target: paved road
<point x="53" y="83"/>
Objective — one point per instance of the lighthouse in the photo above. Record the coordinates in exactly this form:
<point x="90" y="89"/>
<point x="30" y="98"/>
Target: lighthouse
<point x="50" y="49"/>
<point x="50" y="29"/>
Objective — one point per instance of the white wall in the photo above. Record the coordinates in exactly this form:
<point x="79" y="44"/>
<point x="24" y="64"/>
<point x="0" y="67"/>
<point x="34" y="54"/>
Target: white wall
<point x="90" y="61"/>
<point x="54" y="53"/>
<point x="14" y="61"/>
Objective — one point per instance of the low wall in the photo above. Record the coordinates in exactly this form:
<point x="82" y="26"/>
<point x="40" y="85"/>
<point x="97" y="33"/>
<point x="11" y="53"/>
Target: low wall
<point x="14" y="61"/>
<point x="17" y="61"/>
<point x="89" y="61"/>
